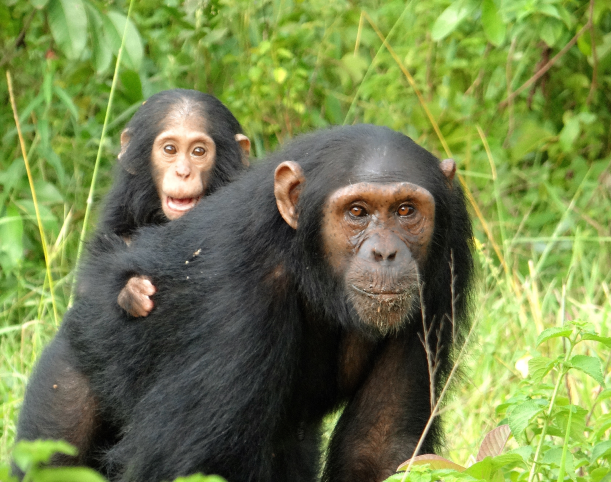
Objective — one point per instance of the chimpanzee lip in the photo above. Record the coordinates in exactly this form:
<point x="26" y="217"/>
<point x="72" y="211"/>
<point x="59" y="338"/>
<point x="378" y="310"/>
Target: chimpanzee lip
<point x="381" y="294"/>
<point x="181" y="204"/>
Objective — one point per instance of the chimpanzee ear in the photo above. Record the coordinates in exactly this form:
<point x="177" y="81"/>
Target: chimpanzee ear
<point x="245" y="145"/>
<point x="125" y="138"/>
<point x="448" y="167"/>
<point x="288" y="181"/>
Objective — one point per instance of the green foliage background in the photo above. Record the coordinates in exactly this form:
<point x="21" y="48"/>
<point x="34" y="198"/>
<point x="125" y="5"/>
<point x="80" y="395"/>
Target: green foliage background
<point x="517" y="91"/>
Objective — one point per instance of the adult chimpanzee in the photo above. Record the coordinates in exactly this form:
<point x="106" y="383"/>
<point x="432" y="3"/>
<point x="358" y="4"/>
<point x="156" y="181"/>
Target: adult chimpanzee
<point x="297" y="289"/>
<point x="178" y="147"/>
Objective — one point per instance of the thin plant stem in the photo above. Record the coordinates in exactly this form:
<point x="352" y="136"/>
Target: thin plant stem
<point x="531" y="475"/>
<point x="41" y="229"/>
<point x="99" y="154"/>
<point x="444" y="390"/>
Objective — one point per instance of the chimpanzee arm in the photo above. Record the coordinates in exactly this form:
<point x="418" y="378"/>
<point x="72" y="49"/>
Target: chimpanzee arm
<point x="381" y="425"/>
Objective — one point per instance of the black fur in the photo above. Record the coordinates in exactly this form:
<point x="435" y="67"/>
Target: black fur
<point x="246" y="349"/>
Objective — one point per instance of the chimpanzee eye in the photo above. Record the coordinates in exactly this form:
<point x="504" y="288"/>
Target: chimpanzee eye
<point x="406" y="210"/>
<point x="169" y="149"/>
<point x="358" y="211"/>
<point x="199" y="151"/>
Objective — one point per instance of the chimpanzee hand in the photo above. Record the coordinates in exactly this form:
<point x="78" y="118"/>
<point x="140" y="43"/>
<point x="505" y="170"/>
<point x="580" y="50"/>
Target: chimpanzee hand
<point x="135" y="296"/>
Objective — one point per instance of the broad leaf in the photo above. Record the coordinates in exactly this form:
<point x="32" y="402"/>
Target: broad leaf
<point x="435" y="461"/>
<point x="114" y="24"/>
<point x="521" y="416"/>
<point x="590" y="365"/>
<point x="539" y="366"/>
<point x="68" y="23"/>
<point x="554" y="332"/>
<point x="11" y="239"/>
<point x="450" y="18"/>
<point x="493" y="442"/>
<point x="493" y="25"/>
<point x="605" y="340"/>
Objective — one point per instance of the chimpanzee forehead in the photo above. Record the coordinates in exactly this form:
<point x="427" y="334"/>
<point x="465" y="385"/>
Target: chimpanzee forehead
<point x="389" y="163"/>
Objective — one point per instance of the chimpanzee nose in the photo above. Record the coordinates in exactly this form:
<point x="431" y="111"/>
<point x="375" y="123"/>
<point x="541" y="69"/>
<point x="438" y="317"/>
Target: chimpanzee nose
<point x="384" y="253"/>
<point x="382" y="249"/>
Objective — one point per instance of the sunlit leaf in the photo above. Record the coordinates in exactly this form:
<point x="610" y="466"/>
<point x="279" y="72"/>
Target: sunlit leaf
<point x="29" y="453"/>
<point x="590" y="365"/>
<point x="492" y="22"/>
<point x="569" y="133"/>
<point x="539" y="366"/>
<point x="435" y="462"/>
<point x="280" y="75"/>
<point x="114" y="24"/>
<point x="68" y="24"/>
<point x="102" y="52"/>
<point x="555" y="332"/>
<point x="605" y="340"/>
<point x="451" y="17"/>
<point x="11" y="238"/>
<point x="522" y="415"/>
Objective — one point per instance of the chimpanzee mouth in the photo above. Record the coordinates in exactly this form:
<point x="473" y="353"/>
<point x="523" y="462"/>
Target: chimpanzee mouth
<point x="182" y="204"/>
<point x="383" y="295"/>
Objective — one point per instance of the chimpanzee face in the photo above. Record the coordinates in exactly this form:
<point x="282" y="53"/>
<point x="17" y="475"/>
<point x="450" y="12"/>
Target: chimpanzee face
<point x="182" y="157"/>
<point x="376" y="232"/>
<point x="375" y="238"/>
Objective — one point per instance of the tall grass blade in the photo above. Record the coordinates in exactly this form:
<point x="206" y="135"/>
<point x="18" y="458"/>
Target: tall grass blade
<point x="99" y="155"/>
<point x="43" y="239"/>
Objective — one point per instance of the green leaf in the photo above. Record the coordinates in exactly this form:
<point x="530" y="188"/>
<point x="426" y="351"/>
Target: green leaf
<point x="47" y="193"/>
<point x="39" y="4"/>
<point x="493" y="25"/>
<point x="554" y="457"/>
<point x="605" y="340"/>
<point x="569" y="133"/>
<point x="102" y="53"/>
<point x="531" y="136"/>
<point x="601" y="450"/>
<point x="132" y="85"/>
<point x="434" y="461"/>
<point x="68" y="23"/>
<point x="114" y="23"/>
<point x="450" y="18"/>
<point x="67" y="474"/>
<point x="550" y="31"/>
<point x="590" y="365"/>
<point x="11" y="239"/>
<point x="522" y="415"/>
<point x="539" y="366"/>
<point x="280" y="75"/>
<point x="554" y="332"/>
<point x="31" y="453"/>
<point x="578" y="421"/>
